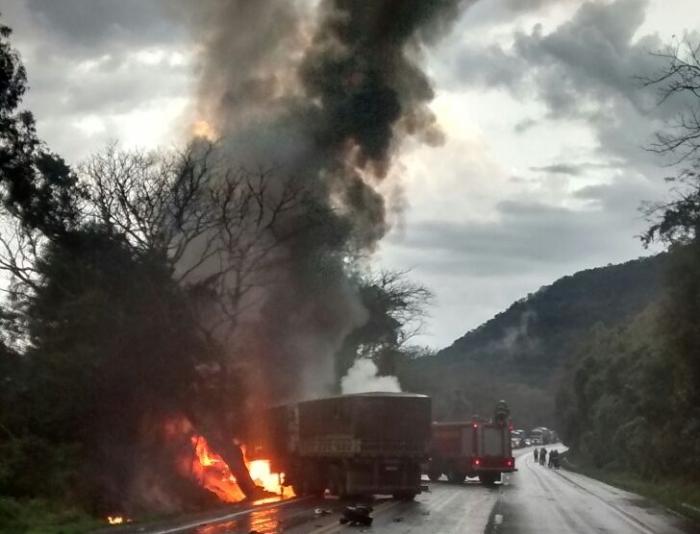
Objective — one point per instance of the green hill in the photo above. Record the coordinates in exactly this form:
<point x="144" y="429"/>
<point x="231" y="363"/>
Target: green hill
<point x="521" y="354"/>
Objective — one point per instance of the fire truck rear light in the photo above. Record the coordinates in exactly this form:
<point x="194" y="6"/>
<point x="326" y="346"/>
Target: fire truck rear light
<point x="477" y="461"/>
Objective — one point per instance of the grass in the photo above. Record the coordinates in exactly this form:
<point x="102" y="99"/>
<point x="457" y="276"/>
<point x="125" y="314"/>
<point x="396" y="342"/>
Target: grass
<point x="681" y="496"/>
<point x="42" y="517"/>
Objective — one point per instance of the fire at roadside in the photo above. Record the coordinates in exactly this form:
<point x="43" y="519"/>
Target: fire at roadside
<point x="212" y="472"/>
<point x="201" y="464"/>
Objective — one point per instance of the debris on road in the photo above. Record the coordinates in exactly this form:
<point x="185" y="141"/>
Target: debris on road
<point x="357" y="515"/>
<point x="322" y="511"/>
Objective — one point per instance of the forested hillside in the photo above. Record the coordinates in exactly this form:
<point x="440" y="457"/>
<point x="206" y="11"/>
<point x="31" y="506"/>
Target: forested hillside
<point x="522" y="353"/>
<point x="629" y="401"/>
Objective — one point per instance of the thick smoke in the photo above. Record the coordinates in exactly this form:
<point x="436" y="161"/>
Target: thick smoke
<point x="324" y="93"/>
<point x="363" y="377"/>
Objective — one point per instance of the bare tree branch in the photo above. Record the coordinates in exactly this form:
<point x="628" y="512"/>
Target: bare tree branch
<point x="678" y="221"/>
<point x="220" y="229"/>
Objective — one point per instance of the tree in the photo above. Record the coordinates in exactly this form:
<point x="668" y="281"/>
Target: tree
<point x="678" y="221"/>
<point x="36" y="186"/>
<point x="216" y="228"/>
<point x="139" y="265"/>
<point x="171" y="250"/>
<point x="396" y="310"/>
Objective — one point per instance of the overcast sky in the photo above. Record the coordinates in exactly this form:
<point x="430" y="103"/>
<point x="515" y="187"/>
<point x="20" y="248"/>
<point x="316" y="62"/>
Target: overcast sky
<point x="542" y="171"/>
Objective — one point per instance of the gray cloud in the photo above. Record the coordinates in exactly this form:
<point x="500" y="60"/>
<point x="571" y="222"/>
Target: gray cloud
<point x="490" y="12"/>
<point x="530" y="236"/>
<point x="524" y="125"/>
<point x="587" y="60"/>
<point x="81" y="62"/>
<point x="560" y="168"/>
<point x="88" y="27"/>
<point x="587" y="69"/>
<point x="532" y="5"/>
<point x="572" y="169"/>
<point x="591" y="57"/>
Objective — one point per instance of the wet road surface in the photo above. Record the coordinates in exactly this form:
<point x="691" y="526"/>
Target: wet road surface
<point x="446" y="508"/>
<point x="535" y="500"/>
<point x="544" y="501"/>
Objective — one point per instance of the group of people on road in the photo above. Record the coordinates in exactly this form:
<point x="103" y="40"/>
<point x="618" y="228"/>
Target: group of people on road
<point x="541" y="457"/>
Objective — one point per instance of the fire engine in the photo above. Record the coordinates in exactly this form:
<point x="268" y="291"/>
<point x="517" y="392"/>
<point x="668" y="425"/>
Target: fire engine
<point x="476" y="448"/>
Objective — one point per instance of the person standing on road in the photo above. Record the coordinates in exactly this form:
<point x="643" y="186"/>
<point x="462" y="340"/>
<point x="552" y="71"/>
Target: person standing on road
<point x="543" y="455"/>
<point x="554" y="459"/>
<point x="536" y="454"/>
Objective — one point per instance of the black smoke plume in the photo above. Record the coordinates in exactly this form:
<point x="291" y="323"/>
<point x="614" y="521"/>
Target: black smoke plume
<point x="322" y="92"/>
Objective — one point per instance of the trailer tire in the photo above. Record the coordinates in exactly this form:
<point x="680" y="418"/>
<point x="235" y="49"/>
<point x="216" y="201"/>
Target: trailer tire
<point x="307" y="489"/>
<point x="338" y="482"/>
<point x="434" y="474"/>
<point x="310" y="481"/>
<point x="455" y="477"/>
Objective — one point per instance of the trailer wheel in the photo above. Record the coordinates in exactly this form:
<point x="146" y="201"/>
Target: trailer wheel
<point x="338" y="482"/>
<point x="306" y="488"/>
<point x="434" y="474"/>
<point x="310" y="481"/>
<point x="455" y="477"/>
<point x="489" y="479"/>
<point x="299" y="489"/>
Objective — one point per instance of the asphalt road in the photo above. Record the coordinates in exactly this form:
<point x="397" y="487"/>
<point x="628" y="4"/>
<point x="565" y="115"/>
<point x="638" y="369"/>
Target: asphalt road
<point x="463" y="509"/>
<point x="535" y="500"/>
<point x="543" y="501"/>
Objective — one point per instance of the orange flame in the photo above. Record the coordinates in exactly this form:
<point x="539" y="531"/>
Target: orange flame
<point x="203" y="129"/>
<point x="261" y="475"/>
<point x="210" y="470"/>
<point x="117" y="519"/>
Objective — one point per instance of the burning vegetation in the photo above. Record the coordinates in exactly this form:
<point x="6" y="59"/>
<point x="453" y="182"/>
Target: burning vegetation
<point x="212" y="472"/>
